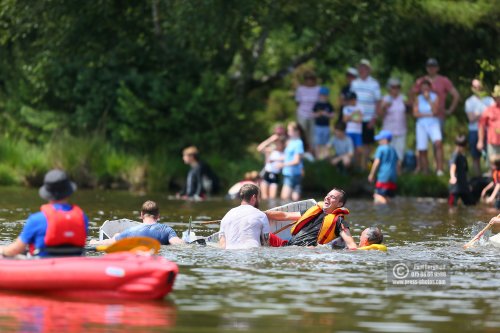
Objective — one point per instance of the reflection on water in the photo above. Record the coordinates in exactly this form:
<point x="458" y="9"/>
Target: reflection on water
<point x="36" y="314"/>
<point x="288" y="289"/>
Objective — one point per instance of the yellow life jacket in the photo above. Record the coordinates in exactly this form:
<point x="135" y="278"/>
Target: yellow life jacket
<point x="327" y="231"/>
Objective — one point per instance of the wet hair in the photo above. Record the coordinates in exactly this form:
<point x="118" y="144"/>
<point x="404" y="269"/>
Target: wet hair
<point x="461" y="140"/>
<point x="343" y="198"/>
<point x="150" y="208"/>
<point x="375" y="236"/>
<point x="495" y="160"/>
<point x="247" y="191"/>
<point x="341" y="126"/>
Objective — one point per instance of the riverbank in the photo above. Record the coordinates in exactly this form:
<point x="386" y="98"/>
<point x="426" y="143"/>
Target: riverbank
<point x="94" y="163"/>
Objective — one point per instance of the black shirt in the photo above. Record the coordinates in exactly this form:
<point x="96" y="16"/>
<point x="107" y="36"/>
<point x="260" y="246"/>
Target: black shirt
<point x="200" y="181"/>
<point x="308" y="235"/>
<point x="322" y="106"/>
<point x="462" y="185"/>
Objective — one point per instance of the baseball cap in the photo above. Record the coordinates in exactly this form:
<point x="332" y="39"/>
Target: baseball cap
<point x="432" y="62"/>
<point x="383" y="135"/>
<point x="324" y="91"/>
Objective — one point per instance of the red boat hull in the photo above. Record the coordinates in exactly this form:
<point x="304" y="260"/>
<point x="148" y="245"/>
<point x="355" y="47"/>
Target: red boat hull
<point x="118" y="276"/>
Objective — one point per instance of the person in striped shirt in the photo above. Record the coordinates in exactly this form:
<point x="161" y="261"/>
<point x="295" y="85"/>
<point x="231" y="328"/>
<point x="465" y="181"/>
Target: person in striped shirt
<point x="367" y="90"/>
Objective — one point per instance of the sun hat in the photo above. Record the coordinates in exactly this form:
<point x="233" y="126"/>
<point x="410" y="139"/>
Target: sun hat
<point x="365" y="62"/>
<point x="383" y="135"/>
<point x="56" y="185"/>
<point x="393" y="82"/>
<point x="496" y="91"/>
<point x="352" y="71"/>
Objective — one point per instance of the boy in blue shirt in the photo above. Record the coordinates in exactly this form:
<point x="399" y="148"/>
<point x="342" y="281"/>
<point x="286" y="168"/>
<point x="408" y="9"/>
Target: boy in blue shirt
<point x="386" y="163"/>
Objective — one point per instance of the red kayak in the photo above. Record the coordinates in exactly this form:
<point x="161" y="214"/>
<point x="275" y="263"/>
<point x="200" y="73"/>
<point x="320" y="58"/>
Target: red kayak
<point x="121" y="275"/>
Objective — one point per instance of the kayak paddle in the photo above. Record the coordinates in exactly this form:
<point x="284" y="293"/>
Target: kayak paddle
<point x="480" y="234"/>
<point x="129" y="244"/>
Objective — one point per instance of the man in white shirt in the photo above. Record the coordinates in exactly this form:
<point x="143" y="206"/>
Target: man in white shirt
<point x="245" y="226"/>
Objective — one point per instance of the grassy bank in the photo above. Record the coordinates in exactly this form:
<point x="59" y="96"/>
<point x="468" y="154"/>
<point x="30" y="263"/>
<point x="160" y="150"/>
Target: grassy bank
<point x="94" y="163"/>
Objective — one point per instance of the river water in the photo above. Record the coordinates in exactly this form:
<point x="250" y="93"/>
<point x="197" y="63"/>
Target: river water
<point x="282" y="289"/>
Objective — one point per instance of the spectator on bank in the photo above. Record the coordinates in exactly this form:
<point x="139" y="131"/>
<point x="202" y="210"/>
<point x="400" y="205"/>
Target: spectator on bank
<point x="323" y="112"/>
<point x="474" y="108"/>
<point x="442" y="86"/>
<point x="293" y="168"/>
<point x="353" y="117"/>
<point x="272" y="148"/>
<point x="350" y="75"/>
<point x="200" y="181"/>
<point x="490" y="122"/>
<point x="367" y="90"/>
<point x="425" y="109"/>
<point x="306" y="96"/>
<point x="343" y="147"/>
<point x="458" y="183"/>
<point x="393" y="113"/>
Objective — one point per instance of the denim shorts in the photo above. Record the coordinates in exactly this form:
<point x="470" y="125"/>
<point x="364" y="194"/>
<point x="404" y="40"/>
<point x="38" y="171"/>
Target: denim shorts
<point x="357" y="139"/>
<point x="473" y="138"/>
<point x="321" y="135"/>
<point x="294" y="182"/>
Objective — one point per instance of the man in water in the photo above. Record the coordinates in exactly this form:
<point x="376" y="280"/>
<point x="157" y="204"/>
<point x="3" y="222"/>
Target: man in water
<point x="320" y="224"/>
<point x="369" y="236"/>
<point x="60" y="228"/>
<point x="150" y="214"/>
<point x="245" y="226"/>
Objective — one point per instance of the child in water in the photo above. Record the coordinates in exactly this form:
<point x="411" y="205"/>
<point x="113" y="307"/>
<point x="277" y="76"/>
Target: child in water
<point x="386" y="163"/>
<point x="495" y="183"/>
<point x="458" y="184"/>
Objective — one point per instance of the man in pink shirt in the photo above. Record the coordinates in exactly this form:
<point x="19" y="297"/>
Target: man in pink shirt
<point x="441" y="85"/>
<point x="490" y="121"/>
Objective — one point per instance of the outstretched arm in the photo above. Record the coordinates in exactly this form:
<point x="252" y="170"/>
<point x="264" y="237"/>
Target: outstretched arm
<point x="349" y="241"/>
<point x="282" y="216"/>
<point x="13" y="249"/>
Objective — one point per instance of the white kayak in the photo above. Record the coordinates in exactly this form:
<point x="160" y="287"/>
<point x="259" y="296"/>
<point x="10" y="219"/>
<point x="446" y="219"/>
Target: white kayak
<point x="113" y="227"/>
<point x="495" y="240"/>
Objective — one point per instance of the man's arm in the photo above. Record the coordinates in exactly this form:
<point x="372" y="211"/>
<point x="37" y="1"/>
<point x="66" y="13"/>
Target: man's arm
<point x="222" y="241"/>
<point x="17" y="247"/>
<point x="371" y="176"/>
<point x="282" y="216"/>
<point x="176" y="241"/>
<point x="349" y="241"/>
<point x="454" y="103"/>
<point x="480" y="133"/>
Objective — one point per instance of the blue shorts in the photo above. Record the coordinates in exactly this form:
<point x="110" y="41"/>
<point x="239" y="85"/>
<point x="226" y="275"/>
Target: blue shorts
<point x="357" y="139"/>
<point x="294" y="182"/>
<point x="473" y="138"/>
<point x="321" y="135"/>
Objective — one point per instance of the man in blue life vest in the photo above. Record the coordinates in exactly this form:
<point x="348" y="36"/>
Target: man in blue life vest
<point x="320" y="224"/>
<point x="150" y="227"/>
<point x="60" y="228"/>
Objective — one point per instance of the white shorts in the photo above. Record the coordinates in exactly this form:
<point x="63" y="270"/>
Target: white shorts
<point x="398" y="142"/>
<point x="428" y="130"/>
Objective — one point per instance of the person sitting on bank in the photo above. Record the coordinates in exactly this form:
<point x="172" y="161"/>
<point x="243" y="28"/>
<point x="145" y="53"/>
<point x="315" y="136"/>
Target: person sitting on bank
<point x="245" y="226"/>
<point x="150" y="214"/>
<point x="60" y="228"/>
<point x="200" y="179"/>
<point x="343" y="146"/>
<point x="320" y="224"/>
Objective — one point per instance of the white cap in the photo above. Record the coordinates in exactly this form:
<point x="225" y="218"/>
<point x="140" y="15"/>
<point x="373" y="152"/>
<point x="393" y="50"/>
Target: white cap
<point x="352" y="71"/>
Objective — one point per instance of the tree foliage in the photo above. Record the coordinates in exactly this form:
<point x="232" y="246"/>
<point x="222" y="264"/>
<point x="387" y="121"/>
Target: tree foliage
<point x="160" y="74"/>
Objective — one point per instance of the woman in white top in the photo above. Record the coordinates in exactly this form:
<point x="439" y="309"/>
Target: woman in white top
<point x="306" y="96"/>
<point x="393" y="112"/>
<point x="425" y="109"/>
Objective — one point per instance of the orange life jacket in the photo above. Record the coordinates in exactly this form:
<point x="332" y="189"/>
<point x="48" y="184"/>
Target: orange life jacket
<point x="496" y="176"/>
<point x="64" y="227"/>
<point x="327" y="231"/>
